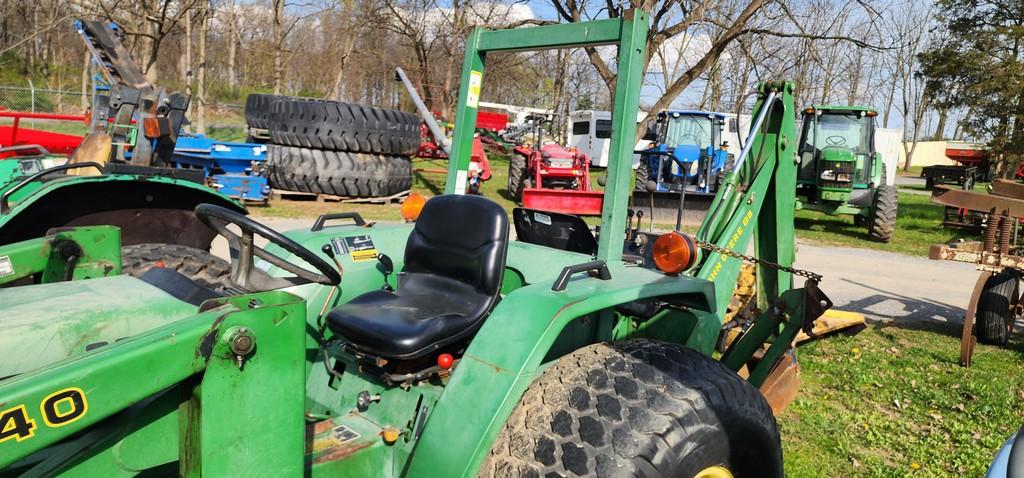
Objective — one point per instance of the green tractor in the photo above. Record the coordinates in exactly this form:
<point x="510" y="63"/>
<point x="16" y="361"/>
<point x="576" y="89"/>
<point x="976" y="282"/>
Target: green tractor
<point x="840" y="170"/>
<point x="439" y="347"/>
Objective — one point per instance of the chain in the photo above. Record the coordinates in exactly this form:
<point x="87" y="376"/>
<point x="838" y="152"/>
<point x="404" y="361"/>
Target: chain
<point x="707" y="246"/>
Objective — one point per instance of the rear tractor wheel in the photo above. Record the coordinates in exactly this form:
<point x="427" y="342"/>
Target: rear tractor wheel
<point x="638" y="408"/>
<point x="995" y="315"/>
<point x="202" y="267"/>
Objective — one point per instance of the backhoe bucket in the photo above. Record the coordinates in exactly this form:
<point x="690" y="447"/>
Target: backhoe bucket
<point x="565" y="201"/>
<point x="663" y="206"/>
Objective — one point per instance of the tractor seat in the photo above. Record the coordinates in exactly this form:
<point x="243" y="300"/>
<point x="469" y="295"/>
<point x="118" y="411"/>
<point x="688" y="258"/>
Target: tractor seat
<point x="454" y="262"/>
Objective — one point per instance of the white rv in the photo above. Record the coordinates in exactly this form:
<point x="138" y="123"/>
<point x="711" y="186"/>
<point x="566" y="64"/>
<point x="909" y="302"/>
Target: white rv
<point x="590" y="132"/>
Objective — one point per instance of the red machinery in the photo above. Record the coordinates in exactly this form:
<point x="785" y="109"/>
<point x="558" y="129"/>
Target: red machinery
<point x="557" y="179"/>
<point x="14" y="135"/>
<point x="479" y="167"/>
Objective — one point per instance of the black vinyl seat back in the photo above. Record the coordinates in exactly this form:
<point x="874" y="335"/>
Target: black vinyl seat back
<point x="454" y="264"/>
<point x="460" y="237"/>
<point x="559" y="231"/>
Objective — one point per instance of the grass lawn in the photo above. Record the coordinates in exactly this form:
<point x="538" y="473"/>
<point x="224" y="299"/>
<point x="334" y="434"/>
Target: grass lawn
<point x="918" y="225"/>
<point x="893" y="401"/>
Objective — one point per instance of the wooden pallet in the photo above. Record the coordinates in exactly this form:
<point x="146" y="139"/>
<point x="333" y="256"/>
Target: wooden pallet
<point x="279" y="194"/>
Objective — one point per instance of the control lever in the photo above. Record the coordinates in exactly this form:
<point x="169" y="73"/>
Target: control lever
<point x="329" y="250"/>
<point x="389" y="268"/>
<point x="639" y="219"/>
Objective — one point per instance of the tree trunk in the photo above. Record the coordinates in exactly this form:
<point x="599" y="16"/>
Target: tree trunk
<point x="86" y="83"/>
<point x="204" y="27"/>
<point x="278" y="46"/>
<point x="940" y="128"/>
<point x="232" y="47"/>
<point x="888" y="103"/>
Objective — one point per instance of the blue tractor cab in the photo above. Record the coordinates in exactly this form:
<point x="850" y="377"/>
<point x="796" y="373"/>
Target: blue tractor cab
<point x="687" y="153"/>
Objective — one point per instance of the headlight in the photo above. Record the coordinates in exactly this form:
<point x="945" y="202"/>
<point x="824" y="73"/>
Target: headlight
<point x="828" y="174"/>
<point x="843" y="177"/>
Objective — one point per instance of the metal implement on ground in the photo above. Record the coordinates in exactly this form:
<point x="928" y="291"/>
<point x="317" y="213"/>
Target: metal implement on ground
<point x="972" y="165"/>
<point x="436" y="143"/>
<point x="994" y="305"/>
<point x="145" y="122"/>
<point x="484" y="356"/>
<point x="841" y="173"/>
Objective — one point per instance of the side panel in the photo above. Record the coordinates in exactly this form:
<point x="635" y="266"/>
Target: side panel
<point x="507" y="354"/>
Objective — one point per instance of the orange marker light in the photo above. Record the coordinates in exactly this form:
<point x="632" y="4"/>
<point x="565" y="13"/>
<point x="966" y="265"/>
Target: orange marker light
<point x="412" y="206"/>
<point x="674" y="252"/>
<point x="151" y="127"/>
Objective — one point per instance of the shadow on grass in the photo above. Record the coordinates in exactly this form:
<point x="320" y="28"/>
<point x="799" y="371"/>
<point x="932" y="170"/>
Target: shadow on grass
<point x="421" y="179"/>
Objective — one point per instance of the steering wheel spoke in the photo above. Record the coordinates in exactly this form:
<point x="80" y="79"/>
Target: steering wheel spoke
<point x="245" y="250"/>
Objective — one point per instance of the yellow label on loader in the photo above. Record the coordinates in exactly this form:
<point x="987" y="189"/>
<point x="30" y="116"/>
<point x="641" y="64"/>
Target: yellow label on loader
<point x="475" y="81"/>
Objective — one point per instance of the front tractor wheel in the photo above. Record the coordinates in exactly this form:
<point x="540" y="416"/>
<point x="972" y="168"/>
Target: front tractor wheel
<point x="202" y="267"/>
<point x="882" y="221"/>
<point x="638" y="408"/>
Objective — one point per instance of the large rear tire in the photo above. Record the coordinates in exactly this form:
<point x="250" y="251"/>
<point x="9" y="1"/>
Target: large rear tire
<point x="338" y="126"/>
<point x="883" y="213"/>
<point x="257" y="109"/>
<point x="202" y="267"/>
<point x="994" y="318"/>
<point x="637" y="408"/>
<point x="338" y="173"/>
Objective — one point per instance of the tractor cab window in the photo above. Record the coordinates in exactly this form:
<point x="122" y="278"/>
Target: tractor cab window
<point x="603" y="129"/>
<point x="847" y="131"/>
<point x="688" y="130"/>
<point x="850" y="131"/>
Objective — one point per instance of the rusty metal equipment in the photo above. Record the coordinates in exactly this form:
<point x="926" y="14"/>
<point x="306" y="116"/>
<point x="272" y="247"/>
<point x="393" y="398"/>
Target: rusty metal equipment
<point x="995" y="299"/>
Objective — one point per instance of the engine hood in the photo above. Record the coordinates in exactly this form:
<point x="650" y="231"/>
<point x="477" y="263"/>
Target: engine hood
<point x="838" y="153"/>
<point x="46" y="323"/>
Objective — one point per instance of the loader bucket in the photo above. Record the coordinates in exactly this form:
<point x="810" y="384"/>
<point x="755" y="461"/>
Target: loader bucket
<point x="565" y="201"/>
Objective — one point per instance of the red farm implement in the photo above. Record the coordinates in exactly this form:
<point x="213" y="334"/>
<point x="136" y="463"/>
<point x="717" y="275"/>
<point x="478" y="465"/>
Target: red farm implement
<point x="553" y="179"/>
<point x="16" y="140"/>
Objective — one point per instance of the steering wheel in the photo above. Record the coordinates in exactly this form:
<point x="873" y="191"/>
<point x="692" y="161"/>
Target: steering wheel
<point x="835" y="140"/>
<point x="218" y="218"/>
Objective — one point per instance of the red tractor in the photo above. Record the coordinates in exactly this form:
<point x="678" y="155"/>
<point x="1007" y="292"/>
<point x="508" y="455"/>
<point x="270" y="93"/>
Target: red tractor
<point x="553" y="179"/>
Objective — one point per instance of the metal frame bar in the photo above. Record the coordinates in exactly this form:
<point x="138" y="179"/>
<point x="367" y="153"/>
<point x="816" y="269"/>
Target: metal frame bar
<point x="629" y="32"/>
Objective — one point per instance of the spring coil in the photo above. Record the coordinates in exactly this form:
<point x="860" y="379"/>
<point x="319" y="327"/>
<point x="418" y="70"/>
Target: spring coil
<point x="1005" y="233"/>
<point x="991" y="232"/>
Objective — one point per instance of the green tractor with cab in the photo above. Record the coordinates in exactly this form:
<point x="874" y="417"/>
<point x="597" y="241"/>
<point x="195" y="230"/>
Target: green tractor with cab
<point x="841" y="172"/>
<point x="438" y="347"/>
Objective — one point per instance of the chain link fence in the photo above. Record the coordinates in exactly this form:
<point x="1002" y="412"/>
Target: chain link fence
<point x="42" y="100"/>
<point x="224" y="121"/>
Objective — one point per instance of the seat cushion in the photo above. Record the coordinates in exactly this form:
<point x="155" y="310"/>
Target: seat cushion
<point x="430" y="312"/>
<point x="454" y="263"/>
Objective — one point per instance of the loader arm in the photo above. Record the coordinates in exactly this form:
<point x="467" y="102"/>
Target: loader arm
<point x="186" y="396"/>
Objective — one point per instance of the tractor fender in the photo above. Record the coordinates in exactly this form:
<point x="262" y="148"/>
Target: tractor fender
<point x="146" y="208"/>
<point x="507" y="354"/>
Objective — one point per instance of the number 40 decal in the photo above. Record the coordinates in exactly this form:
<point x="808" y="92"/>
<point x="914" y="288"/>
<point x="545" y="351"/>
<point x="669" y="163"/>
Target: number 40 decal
<point x="57" y="409"/>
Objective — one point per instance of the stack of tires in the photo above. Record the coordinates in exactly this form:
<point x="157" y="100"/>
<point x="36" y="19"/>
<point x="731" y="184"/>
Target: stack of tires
<point x="335" y="148"/>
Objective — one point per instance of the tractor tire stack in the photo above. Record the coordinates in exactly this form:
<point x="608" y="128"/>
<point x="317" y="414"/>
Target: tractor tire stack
<point x="335" y="148"/>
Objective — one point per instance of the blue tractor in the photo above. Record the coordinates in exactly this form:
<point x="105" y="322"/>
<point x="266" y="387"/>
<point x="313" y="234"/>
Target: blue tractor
<point x="688" y="154"/>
